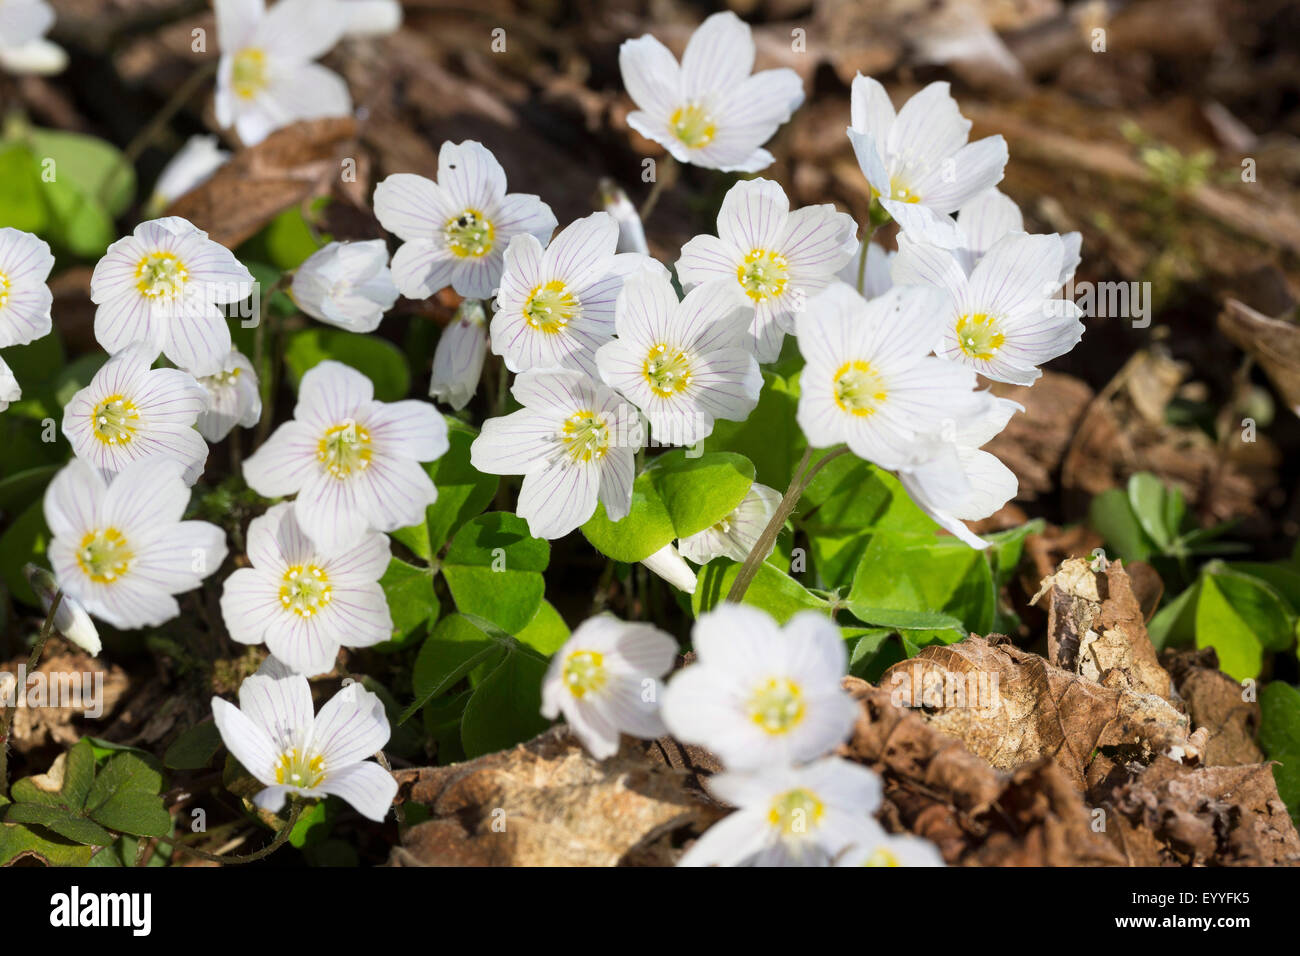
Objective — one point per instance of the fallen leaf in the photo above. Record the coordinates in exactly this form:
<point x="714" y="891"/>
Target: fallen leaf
<point x="1216" y="702"/>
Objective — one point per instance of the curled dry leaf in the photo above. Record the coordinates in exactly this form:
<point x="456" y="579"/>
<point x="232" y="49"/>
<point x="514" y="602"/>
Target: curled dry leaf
<point x="1216" y="703"/>
<point x="1172" y="814"/>
<point x="74" y="677"/>
<point x="1014" y="708"/>
<point x="549" y="803"/>
<point x="260" y="182"/>
<point x="1095" y="624"/>
<point x="977" y="815"/>
<point x="1274" y="343"/>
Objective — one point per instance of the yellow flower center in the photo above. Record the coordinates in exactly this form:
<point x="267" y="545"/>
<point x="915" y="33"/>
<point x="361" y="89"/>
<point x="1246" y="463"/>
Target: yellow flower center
<point x="978" y="335"/>
<point x="777" y="706"/>
<point x="883" y="856"/>
<point x="469" y="235"/>
<point x="248" y="73"/>
<point x="763" y="274"/>
<point x="304" y="590"/>
<point x="667" y="371"/>
<point x="104" y="555"/>
<point x="297" y="769"/>
<point x="692" y="125"/>
<point x="858" y="388"/>
<point x="585" y="436"/>
<point x="222" y="379"/>
<point x="160" y="275"/>
<point x="551" y="307"/>
<point x="5" y="286"/>
<point x="796" y="811"/>
<point x="584" y="672"/>
<point x="343" y="449"/>
<point x="114" y="420"/>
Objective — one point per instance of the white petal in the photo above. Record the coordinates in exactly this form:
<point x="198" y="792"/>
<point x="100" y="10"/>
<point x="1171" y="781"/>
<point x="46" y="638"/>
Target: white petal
<point x="248" y="742"/>
<point x="368" y="787"/>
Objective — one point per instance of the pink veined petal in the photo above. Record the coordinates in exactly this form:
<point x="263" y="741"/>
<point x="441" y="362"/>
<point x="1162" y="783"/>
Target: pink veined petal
<point x="125" y="320"/>
<point x="929" y="125"/>
<point x="650" y="74"/>
<point x="334" y="512"/>
<point x="363" y="564"/>
<point x="979" y="166"/>
<point x="707" y="258"/>
<point x="421" y="267"/>
<point x="522" y="272"/>
<point x="130" y="603"/>
<point x="616" y="476"/>
<point x="332" y="393"/>
<point x="726" y="384"/>
<point x="713" y="316"/>
<point x="147" y="495"/>
<point x="198" y="340"/>
<point x="409" y="428"/>
<point x="412" y="207"/>
<point x="646" y="309"/>
<point x="719" y="55"/>
<point x="350" y="727"/>
<point x="392" y="493"/>
<point x="524" y="213"/>
<point x="299" y="30"/>
<point x="817" y="242"/>
<point x="250" y="602"/>
<point x="558" y="498"/>
<point x="367" y="787"/>
<point x="471" y="176"/>
<point x="582" y="251"/>
<point x="514" y="444"/>
<point x="359" y="616"/>
<point x="248" y="742"/>
<point x="870" y="110"/>
<point x="72" y="500"/>
<point x="306" y="645"/>
<point x="281" y="707"/>
<point x="753" y="215"/>
<point x="285" y="462"/>
<point x="275" y="540"/>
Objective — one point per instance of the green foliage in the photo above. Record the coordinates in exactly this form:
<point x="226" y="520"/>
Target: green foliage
<point x="674" y="496"/>
<point x="411" y="600"/>
<point x="772" y="590"/>
<point x="1279" y="735"/>
<point x="1147" y="522"/>
<point x="494" y="570"/>
<point x="122" y="797"/>
<point x="195" y="748"/>
<point x="378" y="359"/>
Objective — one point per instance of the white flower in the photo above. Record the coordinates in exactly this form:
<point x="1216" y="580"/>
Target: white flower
<point x="631" y="231"/>
<point x="1003" y="318"/>
<point x="668" y="564"/>
<point x="121" y="549"/>
<point x="917" y="160"/>
<point x="555" y="308"/>
<point x="901" y="849"/>
<point x="25" y="264"/>
<point x="790" y="816"/>
<point x="353" y="462"/>
<point x="232" y="398"/>
<point x="302" y="604"/>
<point x="874" y="276"/>
<point x="684" y="363"/>
<point x="979" y="224"/>
<point x="192" y="166"/>
<point x="779" y="259"/>
<point x="760" y="694"/>
<point x="23" y="47"/>
<point x="574" y="441"/>
<point x="266" y="79"/>
<point x="130" y="412"/>
<point x="346" y="284"/>
<point x="291" y="750"/>
<point x="161" y="286"/>
<point x="458" y="359"/>
<point x="455" y="231"/>
<point x="735" y="535"/>
<point x="71" y="619"/>
<point x="709" y="111"/>
<point x="869" y="379"/>
<point x="953" y="481"/>
<point x="9" y="388"/>
<point x="367" y="18"/>
<point x="599" y="681"/>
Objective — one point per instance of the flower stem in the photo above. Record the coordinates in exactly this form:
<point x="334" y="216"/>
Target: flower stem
<point x="259" y="351"/>
<point x="666" y="176"/>
<point x="803" y="475"/>
<point x="862" y="264"/>
<point x="6" y="719"/>
<point x="279" y="841"/>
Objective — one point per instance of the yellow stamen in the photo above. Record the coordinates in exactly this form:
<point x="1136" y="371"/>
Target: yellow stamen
<point x="104" y="555"/>
<point x="248" y="74"/>
<point x="115" y="420"/>
<point x="585" y="435"/>
<point x="344" y="448"/>
<point x="777" y="706"/>
<point x="469" y="235"/>
<point x="584" y="672"/>
<point x="550" y="307"/>
<point x="667" y="370"/>
<point x="978" y="335"/>
<point x="858" y="388"/>
<point x="305" y="590"/>
<point x="161" y="275"/>
<point x="763" y="274"/>
<point x="795" y="812"/>
<point x="297" y="769"/>
<point x="692" y="125"/>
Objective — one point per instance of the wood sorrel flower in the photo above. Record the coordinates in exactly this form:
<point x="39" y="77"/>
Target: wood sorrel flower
<point x="458" y="359"/>
<point x="266" y="79"/>
<point x="160" y="287"/>
<point x="455" y="231"/>
<point x="574" y="441"/>
<point x="792" y="816"/>
<point x="25" y="264"/>
<point x="709" y="111"/>
<point x="346" y="284"/>
<point x="233" y="398"/>
<point x="353" y="462"/>
<point x="130" y="412"/>
<point x="120" y="548"/>
<point x="555" y="307"/>
<point x="288" y="748"/>
<point x="779" y="259"/>
<point x="869" y="379"/>
<point x="685" y="364"/>
<point x="603" y="680"/>
<point x="760" y="694"/>
<point x="304" y="606"/>
<point x="736" y="534"/>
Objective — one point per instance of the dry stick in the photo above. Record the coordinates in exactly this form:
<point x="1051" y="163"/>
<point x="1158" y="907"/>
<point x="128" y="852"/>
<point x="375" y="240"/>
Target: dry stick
<point x="862" y="265"/>
<point x="6" y="720"/>
<point x="266" y="851"/>
<point x="803" y="475"/>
